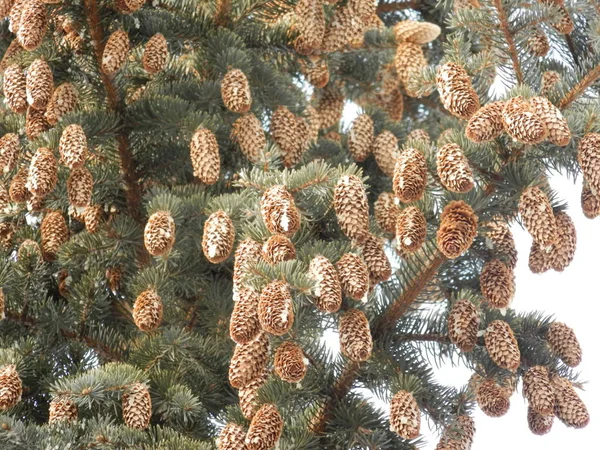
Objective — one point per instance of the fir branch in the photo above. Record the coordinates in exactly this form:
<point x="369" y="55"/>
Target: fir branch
<point x="580" y="87"/>
<point x="512" y="48"/>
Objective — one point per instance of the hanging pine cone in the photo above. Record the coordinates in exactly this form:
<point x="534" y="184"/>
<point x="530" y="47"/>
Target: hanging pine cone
<point x="363" y="9"/>
<point x="4" y="197"/>
<point x="486" y="123"/>
<point x="538" y="424"/>
<point x="314" y="123"/>
<point x="244" y="325"/>
<point x="14" y="87"/>
<point x="497" y="284"/>
<point x="502" y="346"/>
<point x="302" y="133"/>
<point x="289" y="362"/>
<point x="10" y="149"/>
<point x="204" y="153"/>
<point x="309" y="18"/>
<point x="79" y="187"/>
<point x="463" y="325"/>
<point x="316" y="71"/>
<point x="588" y="155"/>
<point x="416" y="32"/>
<point x="35" y="123"/>
<point x="410" y="176"/>
<point x="394" y="105"/>
<point x="54" y="234"/>
<point x="492" y="399"/>
<point x="218" y="237"/>
<point x="376" y="260"/>
<point x="405" y="415"/>
<point x="345" y="30"/>
<point x="537" y="216"/>
<point x="563" y="342"/>
<point x="453" y="169"/>
<point x="569" y="407"/>
<point x="386" y="212"/>
<point x="458" y="228"/>
<point x="148" y="310"/>
<point x="15" y="15"/>
<point x="408" y="61"/>
<point x="565" y="25"/>
<point x="549" y="80"/>
<point x="539" y="259"/>
<point x="563" y="250"/>
<point x="115" y="52"/>
<point x="248" y="133"/>
<point x="360" y="137"/>
<point x="137" y="406"/>
<point x="278" y="248"/>
<point x="29" y="249"/>
<point x="590" y="203"/>
<point x="14" y="49"/>
<point x="235" y="91"/>
<point x="456" y="92"/>
<point x="538" y="390"/>
<point x="328" y="290"/>
<point x="355" y="335"/>
<point x="385" y="150"/>
<point x="265" y="429"/>
<point x="43" y="173"/>
<point x="354" y="276"/>
<point x="522" y="123"/>
<point x="156" y="53"/>
<point x="39" y="84"/>
<point x="128" y="6"/>
<point x="64" y="100"/>
<point x="33" y="24"/>
<point x="17" y="190"/>
<point x="279" y="211"/>
<point x="232" y="437"/>
<point x="411" y="230"/>
<point x="558" y="128"/>
<point x="159" y="233"/>
<point x="419" y="135"/>
<point x="11" y="387"/>
<point x="458" y="436"/>
<point x="537" y="43"/>
<point x="351" y="207"/>
<point x="62" y="409"/>
<point x="246" y="255"/>
<point x="248" y="361"/>
<point x="330" y="106"/>
<point x="248" y="395"/>
<point x="284" y="131"/>
<point x="113" y="277"/>
<point x="501" y="239"/>
<point x="92" y="217"/>
<point x="276" y="309"/>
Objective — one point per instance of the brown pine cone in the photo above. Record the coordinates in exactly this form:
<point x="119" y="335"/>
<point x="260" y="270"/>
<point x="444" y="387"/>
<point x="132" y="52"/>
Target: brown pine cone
<point x="232" y="437"/>
<point x="354" y="276"/>
<point x="411" y="230"/>
<point x="588" y="155"/>
<point x="537" y="43"/>
<point x="497" y="284"/>
<point x="235" y="91"/>
<point x="539" y="259"/>
<point x="137" y="406"/>
<point x="453" y="169"/>
<point x="63" y="101"/>
<point x="345" y="30"/>
<point x="275" y="308"/>
<point x="538" y="424"/>
<point x="376" y="260"/>
<point x="248" y="361"/>
<point x="565" y="25"/>
<point x="43" y="173"/>
<point x="405" y="415"/>
<point x="73" y="146"/>
<point x="80" y="186"/>
<point x="328" y="290"/>
<point x="563" y="250"/>
<point x="419" y="135"/>
<point x="486" y="123"/>
<point x="502" y="241"/>
<point x="522" y="123"/>
<point x="279" y="211"/>
<point x="558" y="128"/>
<point x="35" y="123"/>
<point x="218" y="237"/>
<point x="463" y="325"/>
<point x="538" y="390"/>
<point x="549" y="80"/>
<point x="410" y="176"/>
<point x="355" y="335"/>
<point x="33" y="24"/>
<point x="360" y="137"/>
<point x="537" y="216"/>
<point x="458" y="436"/>
<point x="385" y="151"/>
<point x="248" y="133"/>
<point x="10" y="149"/>
<point x="128" y="6"/>
<point x="408" y="61"/>
<point x="39" y="84"/>
<point x="244" y="325"/>
<point x="247" y="254"/>
<point x="156" y="53"/>
<point x="278" y="248"/>
<point x="284" y="131"/>
<point x="248" y="395"/>
<point x="309" y="22"/>
<point x="92" y="217"/>
<point x="316" y="71"/>
<point x="590" y="203"/>
<point x="569" y="407"/>
<point x="352" y="208"/>
<point x="116" y="51"/>
<point x="11" y="387"/>
<point x="416" y="32"/>
<point x="492" y="399"/>
<point x="386" y="212"/>
<point x="62" y="409"/>
<point x="502" y="346"/>
<point x="265" y="428"/>
<point x="14" y="49"/>
<point x="15" y="90"/>
<point x="457" y="94"/>
<point x="148" y="310"/>
<point x="17" y="190"/>
<point x="563" y="342"/>
<point x="458" y="229"/>
<point x="204" y="153"/>
<point x="159" y="233"/>
<point x="289" y="362"/>
<point x="330" y="106"/>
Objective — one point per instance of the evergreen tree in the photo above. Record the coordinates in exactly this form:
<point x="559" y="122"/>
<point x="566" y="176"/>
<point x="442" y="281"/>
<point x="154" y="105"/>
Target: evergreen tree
<point x="186" y="220"/>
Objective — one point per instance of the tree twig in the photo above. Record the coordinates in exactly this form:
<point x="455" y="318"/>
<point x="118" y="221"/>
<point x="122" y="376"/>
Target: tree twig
<point x="512" y="48"/>
<point x="580" y="87"/>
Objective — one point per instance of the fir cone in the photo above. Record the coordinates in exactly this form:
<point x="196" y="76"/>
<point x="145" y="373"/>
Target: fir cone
<point x="128" y="6"/>
<point x="156" y="53"/>
<point x="463" y="325"/>
<point x="248" y="395"/>
<point x="558" y="128"/>
<point x="64" y="100"/>
<point x="502" y="346"/>
<point x="385" y="150"/>
<point x="159" y="233"/>
<point x="248" y="361"/>
<point x="588" y="155"/>
<point x="10" y="149"/>
<point x="35" y="123"/>
<point x="538" y="424"/>
<point x="43" y="173"/>
<point x="354" y="276"/>
<point x="497" y="284"/>
<point x="492" y="399"/>
<point x="314" y="123"/>
<point x="113" y="277"/>
<point x="539" y="259"/>
<point x="453" y="169"/>
<point x="11" y="387"/>
<point x="265" y="428"/>
<point x="284" y="131"/>
<point x="419" y="135"/>
<point x="137" y="406"/>
<point x="416" y="32"/>
<point x="565" y="25"/>
<point x="39" y="84"/>
<point x="14" y="87"/>
<point x="563" y="342"/>
<point x="410" y="176"/>
<point x="4" y="197"/>
<point x="115" y="52"/>
<point x="17" y="190"/>
<point x="62" y="409"/>
<point x="279" y="211"/>
<point x="79" y="187"/>
<point x="409" y="60"/>
<point x="54" y="234"/>
<point x="522" y="123"/>
<point x="486" y="123"/>
<point x="32" y="24"/>
<point x="92" y="217"/>
<point x="232" y="437"/>
<point x="330" y="106"/>
<point x="590" y="203"/>
<point x="363" y="9"/>
<point x="538" y="390"/>
<point x="148" y="310"/>
<point x="244" y="325"/>
<point x="204" y="153"/>
<point x="16" y="11"/>
<point x="310" y="25"/>
<point x="376" y="260"/>
<point x="352" y="208"/>
<point x="456" y="92"/>
<point x="5" y="7"/>
<point x="563" y="250"/>
<point x="303" y="134"/>
<point x="411" y="230"/>
<point x="248" y="133"/>
<point x="360" y="137"/>
<point x="278" y="248"/>
<point x="246" y="255"/>
<point x="235" y="91"/>
<point x="502" y="241"/>
<point x="328" y="290"/>
<point x="14" y="49"/>
<point x="549" y="80"/>
<point x="73" y="146"/>
<point x="345" y="30"/>
<point x="386" y="212"/>
<point x="355" y="335"/>
<point x="394" y="105"/>
<point x="289" y="362"/>
<point x="537" y="216"/>
<point x="458" y="229"/>
<point x="316" y="71"/>
<point x="29" y="248"/>
<point x="569" y="407"/>
<point x="218" y="237"/>
<point x="405" y="415"/>
<point x="459" y="436"/>
<point x="537" y="43"/>
<point x="275" y="308"/>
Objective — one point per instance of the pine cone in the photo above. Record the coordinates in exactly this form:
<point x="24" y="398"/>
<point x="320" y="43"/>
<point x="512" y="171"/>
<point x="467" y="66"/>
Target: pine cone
<point x="537" y="43"/>
<point x="115" y="52"/>
<point x="232" y="437"/>
<point x="360" y="137"/>
<point x="563" y="342"/>
<point x="10" y="149"/>
<point x="394" y="105"/>
<point x="328" y="290"/>
<point x="408" y="61"/>
<point x="316" y="71"/>
<point x="411" y="230"/>
<point x="4" y="197"/>
<point x="64" y="100"/>
<point x="278" y="248"/>
<point x="355" y="335"/>
<point x="159" y="233"/>
<point x="29" y="248"/>
<point x="14" y="87"/>
<point x="502" y="241"/>
<point x="276" y="309"/>
<point x="538" y="424"/>
<point x="246" y="255"/>
<point x="538" y="390"/>
<point x="330" y="106"/>
<point x="549" y="80"/>
<point x="39" y="84"/>
<point x="345" y="30"/>
<point x="17" y="190"/>
<point x="303" y="134"/>
<point x="569" y="407"/>
<point x="62" y="409"/>
<point x="363" y="9"/>
<point x="15" y="15"/>
<point x="137" y="406"/>
<point x="92" y="217"/>
<point x="33" y="24"/>
<point x="289" y="362"/>
<point x="314" y="123"/>
<point x="354" y="276"/>
<point x="558" y="128"/>
<point x="156" y="53"/>
<point x="486" y="123"/>
<point x="54" y="234"/>
<point x="235" y="91"/>
<point x="309" y="22"/>
<point x="419" y="135"/>
<point x="502" y="346"/>
<point x="284" y="131"/>
<point x="148" y="310"/>
<point x="497" y="284"/>
<point x="410" y="176"/>
<point x="386" y="212"/>
<point x="128" y="6"/>
<point x="11" y="387"/>
<point x="43" y="173"/>
<point x="522" y="123"/>
<point x="405" y="415"/>
<point x="265" y="428"/>
<point x="416" y="32"/>
<point x="279" y="211"/>
<point x="456" y="92"/>
<point x="459" y="436"/>
<point x="565" y="25"/>
<point x="385" y="150"/>
<point x="492" y="399"/>
<point x="248" y="395"/>
<point x="376" y="260"/>
<point x="244" y="325"/>
<point x="218" y="237"/>
<point x="352" y="208"/>
<point x="80" y="186"/>
<point x="539" y="259"/>
<point x="113" y="277"/>
<point x="248" y="361"/>
<point x="458" y="229"/>
<point x="204" y="153"/>
<point x="463" y="325"/>
<point x="588" y="155"/>
<point x="453" y="169"/>
<point x="590" y="203"/>
<point x="563" y="250"/>
<point x="248" y="133"/>
<point x="537" y="216"/>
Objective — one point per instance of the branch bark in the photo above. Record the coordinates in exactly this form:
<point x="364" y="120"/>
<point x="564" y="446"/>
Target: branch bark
<point x="512" y="48"/>
<point x="580" y="87"/>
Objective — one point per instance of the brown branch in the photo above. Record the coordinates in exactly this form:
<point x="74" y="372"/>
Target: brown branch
<point x="512" y="48"/>
<point x="580" y="87"/>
